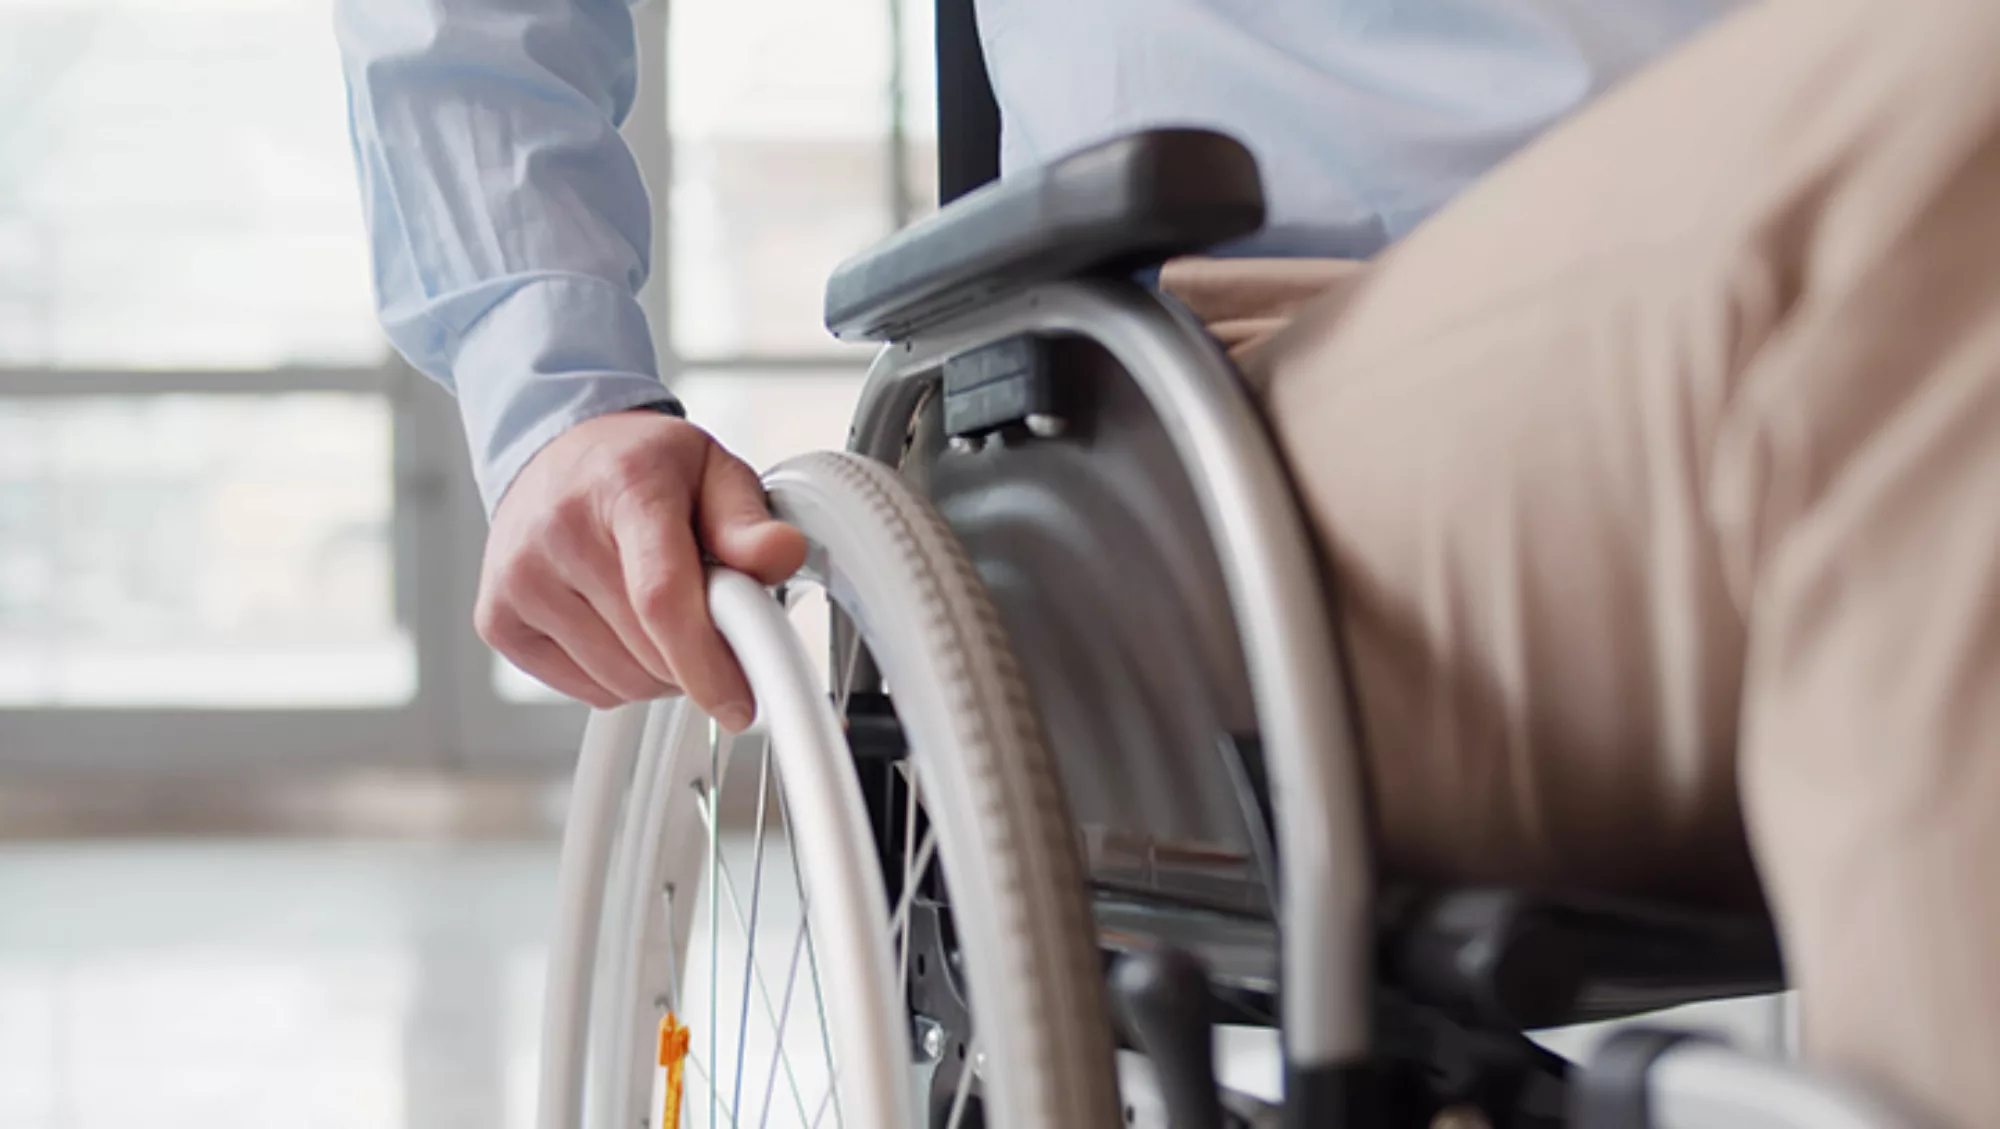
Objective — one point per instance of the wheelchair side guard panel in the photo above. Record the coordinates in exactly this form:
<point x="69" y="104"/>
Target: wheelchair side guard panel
<point x="1095" y="551"/>
<point x="1275" y="592"/>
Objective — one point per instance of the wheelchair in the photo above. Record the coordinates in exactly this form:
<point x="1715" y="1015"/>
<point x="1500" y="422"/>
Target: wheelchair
<point x="1055" y="815"/>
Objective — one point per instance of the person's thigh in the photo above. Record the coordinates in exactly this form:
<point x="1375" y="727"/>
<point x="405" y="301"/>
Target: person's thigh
<point x="1503" y="434"/>
<point x="1668" y="458"/>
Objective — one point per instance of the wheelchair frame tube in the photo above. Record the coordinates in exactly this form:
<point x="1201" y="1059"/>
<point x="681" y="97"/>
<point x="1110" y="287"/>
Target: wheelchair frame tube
<point x="968" y="117"/>
<point x="1699" y="1084"/>
<point x="1283" y="621"/>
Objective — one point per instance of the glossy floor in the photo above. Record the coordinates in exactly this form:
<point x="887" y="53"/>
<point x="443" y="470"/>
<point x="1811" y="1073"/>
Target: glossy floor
<point x="259" y="983"/>
<point x="178" y="985"/>
<point x="255" y="984"/>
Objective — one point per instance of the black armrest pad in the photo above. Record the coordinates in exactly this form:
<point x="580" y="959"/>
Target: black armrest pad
<point x="1125" y="204"/>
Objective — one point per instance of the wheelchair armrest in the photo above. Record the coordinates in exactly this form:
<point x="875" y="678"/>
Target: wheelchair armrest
<point x="1126" y="204"/>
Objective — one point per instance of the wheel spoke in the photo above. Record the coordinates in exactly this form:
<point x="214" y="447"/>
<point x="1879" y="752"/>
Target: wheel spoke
<point x="714" y="915"/>
<point x="779" y="1056"/>
<point x="701" y="1072"/>
<point x="964" y="1085"/>
<point x="726" y="879"/>
<point x="901" y="918"/>
<point x="899" y="922"/>
<point x="750" y="933"/>
<point x="819" y="997"/>
<point x="673" y="951"/>
<point x="823" y="1102"/>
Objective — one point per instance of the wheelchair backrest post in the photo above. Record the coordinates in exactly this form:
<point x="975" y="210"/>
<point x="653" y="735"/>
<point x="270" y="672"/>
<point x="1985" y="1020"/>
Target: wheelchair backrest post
<point x="968" y="116"/>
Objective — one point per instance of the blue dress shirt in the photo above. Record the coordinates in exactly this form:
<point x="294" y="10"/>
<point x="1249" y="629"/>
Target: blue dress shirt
<point x="510" y="228"/>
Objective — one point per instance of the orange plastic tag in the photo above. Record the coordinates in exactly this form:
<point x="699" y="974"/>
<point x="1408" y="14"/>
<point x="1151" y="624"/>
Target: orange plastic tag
<point x="673" y="1054"/>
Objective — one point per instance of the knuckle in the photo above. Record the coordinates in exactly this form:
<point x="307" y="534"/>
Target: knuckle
<point x="509" y="594"/>
<point x="634" y="464"/>
<point x="495" y="624"/>
<point x="508" y="578"/>
<point x="657" y="598"/>
<point x="651" y="498"/>
<point x="570" y="519"/>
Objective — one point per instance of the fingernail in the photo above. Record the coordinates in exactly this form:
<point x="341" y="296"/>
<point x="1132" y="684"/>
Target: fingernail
<point x="735" y="717"/>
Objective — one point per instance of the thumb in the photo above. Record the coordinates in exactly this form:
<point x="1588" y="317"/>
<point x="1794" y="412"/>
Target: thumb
<point x="736" y="524"/>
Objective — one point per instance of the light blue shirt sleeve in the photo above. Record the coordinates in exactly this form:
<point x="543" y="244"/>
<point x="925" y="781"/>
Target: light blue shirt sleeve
<point x="509" y="223"/>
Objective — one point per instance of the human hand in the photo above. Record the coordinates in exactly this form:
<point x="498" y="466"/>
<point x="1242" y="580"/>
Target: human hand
<point x="593" y="580"/>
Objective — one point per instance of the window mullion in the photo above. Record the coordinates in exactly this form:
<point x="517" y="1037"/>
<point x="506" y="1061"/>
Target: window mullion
<point x="430" y="552"/>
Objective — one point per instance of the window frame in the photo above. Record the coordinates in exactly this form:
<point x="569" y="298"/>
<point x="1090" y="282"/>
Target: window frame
<point x="457" y="718"/>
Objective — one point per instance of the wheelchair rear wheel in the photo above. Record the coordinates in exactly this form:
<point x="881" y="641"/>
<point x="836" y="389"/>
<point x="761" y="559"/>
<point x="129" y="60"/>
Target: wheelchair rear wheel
<point x="983" y="980"/>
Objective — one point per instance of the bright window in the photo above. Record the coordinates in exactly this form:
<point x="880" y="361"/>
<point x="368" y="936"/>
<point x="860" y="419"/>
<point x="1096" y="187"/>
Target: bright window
<point x="175" y="188"/>
<point x="187" y="550"/>
<point x="786" y="156"/>
<point x="219" y="491"/>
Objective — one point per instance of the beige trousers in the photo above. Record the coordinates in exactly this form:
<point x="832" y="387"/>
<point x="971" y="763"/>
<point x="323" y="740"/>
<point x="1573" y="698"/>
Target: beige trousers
<point x="1660" y="475"/>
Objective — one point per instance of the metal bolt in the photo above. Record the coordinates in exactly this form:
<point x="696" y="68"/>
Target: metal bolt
<point x="1045" y="426"/>
<point x="931" y="1040"/>
<point x="1460" y="1117"/>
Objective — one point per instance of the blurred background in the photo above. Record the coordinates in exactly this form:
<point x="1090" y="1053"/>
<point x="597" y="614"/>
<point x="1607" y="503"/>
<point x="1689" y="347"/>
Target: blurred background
<point x="277" y="833"/>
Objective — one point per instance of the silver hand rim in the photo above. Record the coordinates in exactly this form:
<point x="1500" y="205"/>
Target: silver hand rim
<point x="829" y="847"/>
<point x="809" y="753"/>
<point x="884" y="555"/>
<point x="918" y="853"/>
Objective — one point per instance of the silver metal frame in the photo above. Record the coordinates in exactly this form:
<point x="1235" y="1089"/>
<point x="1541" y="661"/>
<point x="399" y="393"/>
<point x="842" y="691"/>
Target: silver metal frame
<point x="1279" y="604"/>
<point x="1276" y="594"/>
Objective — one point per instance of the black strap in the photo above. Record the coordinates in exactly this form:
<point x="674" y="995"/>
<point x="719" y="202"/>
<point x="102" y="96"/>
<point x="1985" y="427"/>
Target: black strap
<point x="968" y="116"/>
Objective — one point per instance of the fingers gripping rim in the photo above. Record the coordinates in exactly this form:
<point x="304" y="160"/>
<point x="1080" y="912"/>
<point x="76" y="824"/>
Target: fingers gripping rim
<point x="1009" y="850"/>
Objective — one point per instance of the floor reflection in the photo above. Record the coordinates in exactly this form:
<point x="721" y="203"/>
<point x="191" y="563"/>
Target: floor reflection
<point x="249" y="985"/>
<point x="334" y="986"/>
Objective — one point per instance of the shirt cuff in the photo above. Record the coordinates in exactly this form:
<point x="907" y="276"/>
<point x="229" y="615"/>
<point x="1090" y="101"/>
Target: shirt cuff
<point x="554" y="353"/>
